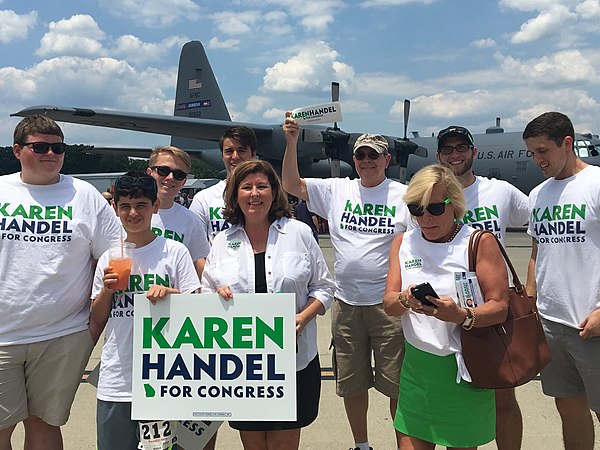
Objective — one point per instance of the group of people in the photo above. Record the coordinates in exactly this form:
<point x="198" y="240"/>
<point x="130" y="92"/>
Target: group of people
<point x="386" y="238"/>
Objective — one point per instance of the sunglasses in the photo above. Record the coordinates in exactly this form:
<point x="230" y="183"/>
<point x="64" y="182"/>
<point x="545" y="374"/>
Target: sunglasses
<point x="435" y="209"/>
<point x="460" y="148"/>
<point x="164" y="171"/>
<point x="372" y="155"/>
<point x="128" y="182"/>
<point x="41" y="148"/>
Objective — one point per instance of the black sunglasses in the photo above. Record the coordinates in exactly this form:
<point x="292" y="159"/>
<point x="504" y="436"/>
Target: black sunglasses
<point x="372" y="155"/>
<point x="435" y="209"/>
<point x="460" y="148"/>
<point x="164" y="171"/>
<point x="128" y="182"/>
<point x="41" y="148"/>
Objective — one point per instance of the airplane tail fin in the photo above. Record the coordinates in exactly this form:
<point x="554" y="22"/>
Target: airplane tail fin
<point x="198" y="94"/>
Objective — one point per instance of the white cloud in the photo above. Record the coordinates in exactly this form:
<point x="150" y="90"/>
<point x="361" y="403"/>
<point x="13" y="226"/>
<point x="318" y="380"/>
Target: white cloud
<point x="15" y="26"/>
<point x="372" y="3"/>
<point x="314" y="15"/>
<point x="257" y="104"/>
<point x="353" y="105"/>
<point x="257" y="23"/>
<point x="237" y="115"/>
<point x="483" y="43"/>
<point x="151" y="13"/>
<point x="568" y="66"/>
<point x="138" y="52"/>
<point x="274" y="114"/>
<point x="311" y="70"/>
<point x="234" y="23"/>
<point x="276" y="23"/>
<point x="78" y="36"/>
<point x="447" y="104"/>
<point x="555" y="70"/>
<point x="103" y="83"/>
<point x="589" y="9"/>
<point x="546" y="23"/>
<point x="229" y="44"/>
<point x="564" y="23"/>
<point x="529" y="5"/>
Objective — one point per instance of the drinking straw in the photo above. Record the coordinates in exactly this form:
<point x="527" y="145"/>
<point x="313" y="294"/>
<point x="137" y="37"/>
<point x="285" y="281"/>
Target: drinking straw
<point x="121" y="233"/>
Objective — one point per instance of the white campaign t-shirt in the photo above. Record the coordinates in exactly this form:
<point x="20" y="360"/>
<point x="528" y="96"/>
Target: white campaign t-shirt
<point x="565" y="221"/>
<point x="435" y="262"/>
<point x="362" y="225"/>
<point x="182" y="225"/>
<point x="208" y="204"/>
<point x="493" y="205"/>
<point x="49" y="237"/>
<point x="164" y="262"/>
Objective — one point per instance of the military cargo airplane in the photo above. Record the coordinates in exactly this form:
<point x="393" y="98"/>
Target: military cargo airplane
<point x="201" y="116"/>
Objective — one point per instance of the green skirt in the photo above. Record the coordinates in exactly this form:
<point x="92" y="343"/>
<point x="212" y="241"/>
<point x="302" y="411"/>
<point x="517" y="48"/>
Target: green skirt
<point x="432" y="407"/>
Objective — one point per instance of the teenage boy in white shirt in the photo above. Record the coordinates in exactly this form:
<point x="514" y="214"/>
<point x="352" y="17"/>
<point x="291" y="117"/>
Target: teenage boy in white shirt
<point x="52" y="229"/>
<point x="135" y="201"/>
<point x="237" y="144"/>
<point x="170" y="166"/>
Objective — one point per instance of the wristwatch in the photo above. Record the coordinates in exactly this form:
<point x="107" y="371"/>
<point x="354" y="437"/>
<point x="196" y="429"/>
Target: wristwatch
<point x="470" y="319"/>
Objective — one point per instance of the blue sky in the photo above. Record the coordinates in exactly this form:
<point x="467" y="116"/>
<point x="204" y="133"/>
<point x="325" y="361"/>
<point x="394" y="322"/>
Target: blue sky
<point x="459" y="61"/>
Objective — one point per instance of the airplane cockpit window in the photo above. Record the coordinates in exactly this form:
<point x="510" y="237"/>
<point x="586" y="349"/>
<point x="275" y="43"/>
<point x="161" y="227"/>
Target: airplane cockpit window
<point x="582" y="148"/>
<point x="494" y="173"/>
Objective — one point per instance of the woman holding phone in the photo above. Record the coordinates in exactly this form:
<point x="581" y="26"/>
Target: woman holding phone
<point x="436" y="403"/>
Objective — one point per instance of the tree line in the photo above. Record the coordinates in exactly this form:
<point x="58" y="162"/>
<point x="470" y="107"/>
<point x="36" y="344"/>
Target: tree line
<point x="82" y="159"/>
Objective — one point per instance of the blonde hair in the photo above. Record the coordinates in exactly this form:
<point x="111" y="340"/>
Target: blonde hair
<point x="422" y="183"/>
<point x="176" y="152"/>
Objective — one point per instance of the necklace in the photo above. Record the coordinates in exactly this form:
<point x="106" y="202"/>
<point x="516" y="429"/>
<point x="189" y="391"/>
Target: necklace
<point x="457" y="228"/>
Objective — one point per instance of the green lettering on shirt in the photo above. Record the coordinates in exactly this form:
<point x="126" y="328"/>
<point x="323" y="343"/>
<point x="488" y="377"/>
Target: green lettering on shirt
<point x="214" y="213"/>
<point x="568" y="211"/>
<point x="370" y="209"/>
<point x="168" y="234"/>
<point x="36" y="211"/>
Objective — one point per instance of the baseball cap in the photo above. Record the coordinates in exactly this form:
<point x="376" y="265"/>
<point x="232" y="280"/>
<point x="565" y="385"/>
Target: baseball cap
<point x="454" y="130"/>
<point x="375" y="141"/>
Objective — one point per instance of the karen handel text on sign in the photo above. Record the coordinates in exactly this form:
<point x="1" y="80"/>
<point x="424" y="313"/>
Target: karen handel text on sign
<point x="201" y="357"/>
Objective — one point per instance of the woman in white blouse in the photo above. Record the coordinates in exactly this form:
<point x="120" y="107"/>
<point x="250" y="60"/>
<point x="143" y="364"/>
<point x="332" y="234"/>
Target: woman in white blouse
<point x="266" y="251"/>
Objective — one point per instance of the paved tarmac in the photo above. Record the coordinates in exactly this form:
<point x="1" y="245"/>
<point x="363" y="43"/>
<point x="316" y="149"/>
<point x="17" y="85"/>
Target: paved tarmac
<point x="542" y="428"/>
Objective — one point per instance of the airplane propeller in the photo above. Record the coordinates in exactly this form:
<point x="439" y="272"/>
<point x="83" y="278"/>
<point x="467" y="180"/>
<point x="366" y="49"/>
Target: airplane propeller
<point x="404" y="148"/>
<point x="335" y="140"/>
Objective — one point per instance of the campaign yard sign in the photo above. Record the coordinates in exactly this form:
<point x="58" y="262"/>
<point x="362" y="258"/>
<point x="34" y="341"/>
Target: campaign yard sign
<point x="199" y="357"/>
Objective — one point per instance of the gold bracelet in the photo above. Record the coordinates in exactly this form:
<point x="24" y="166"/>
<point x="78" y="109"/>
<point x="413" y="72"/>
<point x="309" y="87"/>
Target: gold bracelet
<point x="472" y="323"/>
<point x="401" y="302"/>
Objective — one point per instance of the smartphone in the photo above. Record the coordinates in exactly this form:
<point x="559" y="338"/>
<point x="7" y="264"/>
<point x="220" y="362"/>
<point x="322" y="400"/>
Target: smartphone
<point x="421" y="290"/>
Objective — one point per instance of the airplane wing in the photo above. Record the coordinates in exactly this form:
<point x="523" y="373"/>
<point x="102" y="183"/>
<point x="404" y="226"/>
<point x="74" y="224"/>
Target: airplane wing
<point x="197" y="128"/>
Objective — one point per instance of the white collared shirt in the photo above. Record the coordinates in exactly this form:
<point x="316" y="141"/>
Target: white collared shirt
<point x="294" y="263"/>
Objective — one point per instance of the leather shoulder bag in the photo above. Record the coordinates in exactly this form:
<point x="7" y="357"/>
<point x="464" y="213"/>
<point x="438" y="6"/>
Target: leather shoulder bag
<point x="511" y="353"/>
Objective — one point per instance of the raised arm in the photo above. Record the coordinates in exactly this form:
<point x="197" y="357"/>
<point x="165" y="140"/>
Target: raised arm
<point x="290" y="176"/>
